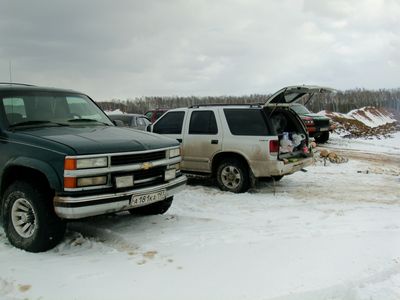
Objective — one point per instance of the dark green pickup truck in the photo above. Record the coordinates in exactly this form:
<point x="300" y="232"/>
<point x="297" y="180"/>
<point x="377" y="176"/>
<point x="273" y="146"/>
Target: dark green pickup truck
<point x="62" y="158"/>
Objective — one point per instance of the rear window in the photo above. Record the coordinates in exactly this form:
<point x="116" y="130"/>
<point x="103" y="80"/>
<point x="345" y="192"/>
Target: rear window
<point x="300" y="109"/>
<point x="246" y="122"/>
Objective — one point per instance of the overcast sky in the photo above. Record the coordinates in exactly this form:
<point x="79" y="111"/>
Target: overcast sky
<point x="124" y="49"/>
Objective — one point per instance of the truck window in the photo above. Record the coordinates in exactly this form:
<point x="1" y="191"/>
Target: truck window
<point x="203" y="122"/>
<point x="170" y="123"/>
<point x="15" y="109"/>
<point x="246" y="122"/>
<point x="82" y="108"/>
<point x="14" y="105"/>
<point x="141" y="121"/>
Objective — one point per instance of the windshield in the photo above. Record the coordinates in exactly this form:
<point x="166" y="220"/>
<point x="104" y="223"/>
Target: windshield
<point x="51" y="109"/>
<point x="300" y="109"/>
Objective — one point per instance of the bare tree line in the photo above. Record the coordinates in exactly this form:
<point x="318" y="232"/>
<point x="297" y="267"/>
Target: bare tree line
<point x="342" y="101"/>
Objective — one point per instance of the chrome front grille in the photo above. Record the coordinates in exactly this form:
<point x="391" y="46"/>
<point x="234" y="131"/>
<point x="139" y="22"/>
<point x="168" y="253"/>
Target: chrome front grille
<point x="119" y="160"/>
<point x="146" y="177"/>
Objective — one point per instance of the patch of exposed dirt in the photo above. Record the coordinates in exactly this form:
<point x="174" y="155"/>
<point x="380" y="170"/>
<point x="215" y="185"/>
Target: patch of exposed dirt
<point x="24" y="287"/>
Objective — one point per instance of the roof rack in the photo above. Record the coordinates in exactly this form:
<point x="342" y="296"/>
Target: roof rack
<point x="16" y="83"/>
<point x="228" y="104"/>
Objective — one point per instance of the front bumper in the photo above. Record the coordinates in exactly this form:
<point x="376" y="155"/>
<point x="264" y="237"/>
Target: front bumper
<point x="86" y="206"/>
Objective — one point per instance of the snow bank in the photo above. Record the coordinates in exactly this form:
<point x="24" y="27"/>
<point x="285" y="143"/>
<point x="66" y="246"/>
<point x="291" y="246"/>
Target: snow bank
<point x="368" y="121"/>
<point x="368" y="115"/>
<point x="372" y="116"/>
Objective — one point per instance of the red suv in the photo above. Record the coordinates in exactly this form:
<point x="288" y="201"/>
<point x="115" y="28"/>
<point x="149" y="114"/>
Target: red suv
<point x="153" y="115"/>
<point x="318" y="126"/>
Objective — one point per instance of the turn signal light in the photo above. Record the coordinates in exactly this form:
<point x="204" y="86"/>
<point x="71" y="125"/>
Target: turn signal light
<point x="70" y="164"/>
<point x="70" y="182"/>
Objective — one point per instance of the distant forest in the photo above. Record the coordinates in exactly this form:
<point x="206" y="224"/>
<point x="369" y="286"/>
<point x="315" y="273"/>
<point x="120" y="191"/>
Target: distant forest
<point x="342" y="101"/>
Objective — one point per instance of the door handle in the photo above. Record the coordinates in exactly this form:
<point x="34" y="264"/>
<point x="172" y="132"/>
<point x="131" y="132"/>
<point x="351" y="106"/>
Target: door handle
<point x="179" y="140"/>
<point x="214" y="142"/>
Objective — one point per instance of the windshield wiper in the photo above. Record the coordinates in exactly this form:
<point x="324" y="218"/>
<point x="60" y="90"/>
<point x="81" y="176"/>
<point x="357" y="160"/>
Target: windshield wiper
<point x="36" y="122"/>
<point x="87" y="120"/>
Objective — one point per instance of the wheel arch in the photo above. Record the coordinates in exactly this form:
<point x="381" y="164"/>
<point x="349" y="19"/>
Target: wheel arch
<point x="30" y="169"/>
<point x="226" y="155"/>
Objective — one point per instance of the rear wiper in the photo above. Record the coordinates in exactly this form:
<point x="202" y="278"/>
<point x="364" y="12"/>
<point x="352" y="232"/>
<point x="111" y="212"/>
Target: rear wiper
<point x="87" y="120"/>
<point x="36" y="122"/>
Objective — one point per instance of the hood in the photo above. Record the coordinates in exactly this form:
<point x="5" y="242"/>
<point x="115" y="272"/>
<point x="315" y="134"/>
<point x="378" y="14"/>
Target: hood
<point x="314" y="116"/>
<point x="292" y="94"/>
<point x="101" y="139"/>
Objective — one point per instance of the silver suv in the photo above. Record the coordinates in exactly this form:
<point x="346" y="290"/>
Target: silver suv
<point x="237" y="144"/>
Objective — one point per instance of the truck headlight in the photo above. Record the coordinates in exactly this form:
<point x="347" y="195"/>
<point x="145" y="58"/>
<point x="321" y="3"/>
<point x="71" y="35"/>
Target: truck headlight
<point x="85" y="163"/>
<point x="174" y="152"/>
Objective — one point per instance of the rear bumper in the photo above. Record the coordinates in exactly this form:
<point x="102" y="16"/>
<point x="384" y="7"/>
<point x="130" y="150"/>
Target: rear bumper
<point x="278" y="167"/>
<point x="293" y="167"/>
<point x="86" y="206"/>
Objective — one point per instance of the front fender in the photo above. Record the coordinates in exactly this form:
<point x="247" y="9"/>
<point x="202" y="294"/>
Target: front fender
<point x="46" y="169"/>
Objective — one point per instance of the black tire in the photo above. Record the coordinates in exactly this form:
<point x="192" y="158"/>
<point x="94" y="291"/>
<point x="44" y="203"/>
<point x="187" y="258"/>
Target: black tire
<point x="157" y="208"/>
<point x="323" y="138"/>
<point x="233" y="176"/>
<point x="29" y="220"/>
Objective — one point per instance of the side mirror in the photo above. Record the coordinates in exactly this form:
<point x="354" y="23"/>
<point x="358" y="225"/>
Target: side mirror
<point x="149" y="128"/>
<point x="118" y="123"/>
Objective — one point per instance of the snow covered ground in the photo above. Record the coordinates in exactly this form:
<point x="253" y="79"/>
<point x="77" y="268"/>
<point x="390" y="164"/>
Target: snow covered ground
<point x="390" y="145"/>
<point x="330" y="233"/>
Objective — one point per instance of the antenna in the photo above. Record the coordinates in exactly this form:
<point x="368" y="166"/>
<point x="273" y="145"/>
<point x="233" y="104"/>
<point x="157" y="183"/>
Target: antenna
<point x="10" y="71"/>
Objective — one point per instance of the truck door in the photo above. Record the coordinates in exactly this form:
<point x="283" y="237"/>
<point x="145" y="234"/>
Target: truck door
<point x="202" y="139"/>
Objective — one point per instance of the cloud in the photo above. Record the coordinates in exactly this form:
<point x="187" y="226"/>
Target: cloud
<point x="132" y="48"/>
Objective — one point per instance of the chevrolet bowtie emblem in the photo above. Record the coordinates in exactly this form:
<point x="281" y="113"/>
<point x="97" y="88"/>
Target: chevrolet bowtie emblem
<point x="146" y="165"/>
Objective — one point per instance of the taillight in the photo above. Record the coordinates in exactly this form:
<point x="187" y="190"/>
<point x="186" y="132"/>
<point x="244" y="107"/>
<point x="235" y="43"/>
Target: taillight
<point x="273" y="146"/>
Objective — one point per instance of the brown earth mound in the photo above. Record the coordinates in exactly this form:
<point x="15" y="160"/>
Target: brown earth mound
<point x="352" y="128"/>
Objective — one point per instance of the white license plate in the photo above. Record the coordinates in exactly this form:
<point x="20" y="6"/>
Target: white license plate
<point x="324" y="129"/>
<point x="143" y="199"/>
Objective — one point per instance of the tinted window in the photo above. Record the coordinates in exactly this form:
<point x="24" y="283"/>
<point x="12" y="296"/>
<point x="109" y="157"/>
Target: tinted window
<point x="203" y="122"/>
<point x="246" y="122"/>
<point x="171" y="123"/>
<point x="159" y="114"/>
